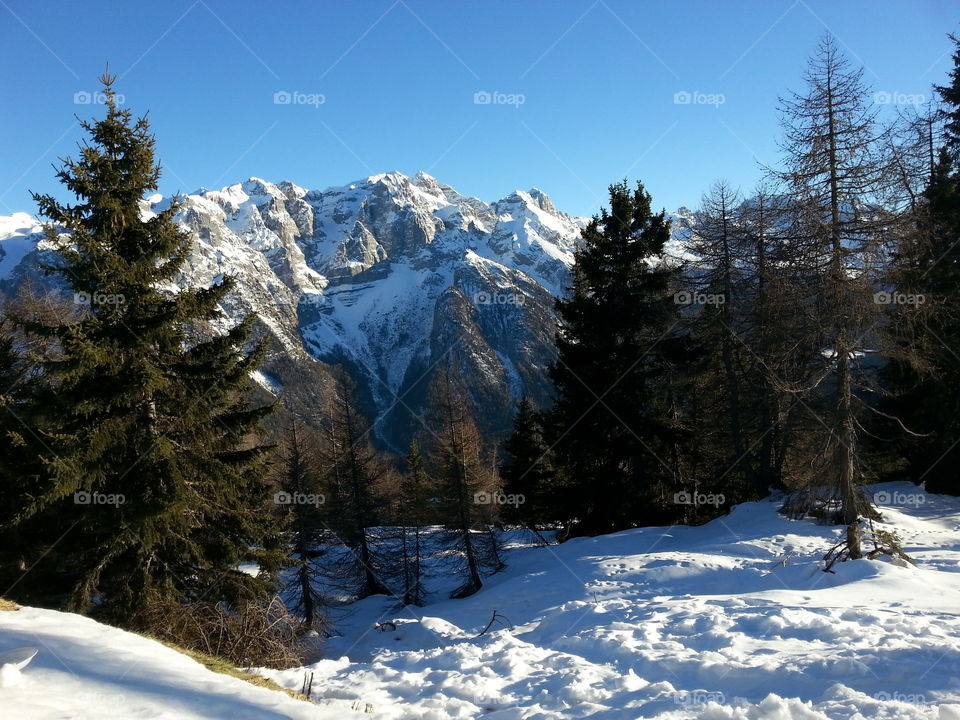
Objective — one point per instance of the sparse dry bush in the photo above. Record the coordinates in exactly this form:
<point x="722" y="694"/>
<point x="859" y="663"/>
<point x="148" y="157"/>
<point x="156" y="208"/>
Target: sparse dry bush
<point x="254" y="634"/>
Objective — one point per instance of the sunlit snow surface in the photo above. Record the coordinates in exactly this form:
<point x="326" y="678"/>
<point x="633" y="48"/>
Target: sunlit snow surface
<point x="733" y="619"/>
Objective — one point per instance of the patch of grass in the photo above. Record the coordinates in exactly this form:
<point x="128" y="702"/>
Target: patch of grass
<point x="224" y="668"/>
<point x="8" y="605"/>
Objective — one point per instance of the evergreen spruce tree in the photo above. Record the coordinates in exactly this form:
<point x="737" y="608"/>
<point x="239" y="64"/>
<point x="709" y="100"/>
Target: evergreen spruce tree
<point x="15" y="448"/>
<point x="950" y="94"/>
<point x="22" y="440"/>
<point x="616" y="423"/>
<point x="12" y="375"/>
<point x="154" y="476"/>
<point x="526" y="469"/>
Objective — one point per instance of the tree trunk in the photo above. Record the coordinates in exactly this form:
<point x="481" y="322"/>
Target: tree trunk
<point x="845" y="452"/>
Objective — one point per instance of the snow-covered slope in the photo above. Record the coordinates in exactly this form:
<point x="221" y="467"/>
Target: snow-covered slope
<point x="88" y="671"/>
<point x="733" y="619"/>
<point x="391" y="275"/>
<point x="730" y="620"/>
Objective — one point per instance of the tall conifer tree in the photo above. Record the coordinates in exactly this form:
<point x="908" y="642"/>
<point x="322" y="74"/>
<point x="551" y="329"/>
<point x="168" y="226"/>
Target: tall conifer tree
<point x="613" y="424"/>
<point x="526" y="471"/>
<point x="152" y="463"/>
<point x="833" y="180"/>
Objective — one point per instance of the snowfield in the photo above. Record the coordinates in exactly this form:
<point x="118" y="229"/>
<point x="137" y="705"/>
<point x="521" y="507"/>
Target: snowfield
<point x="733" y="619"/>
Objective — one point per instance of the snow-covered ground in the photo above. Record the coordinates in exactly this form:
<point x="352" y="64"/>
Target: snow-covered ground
<point x="733" y="619"/>
<point x="88" y="671"/>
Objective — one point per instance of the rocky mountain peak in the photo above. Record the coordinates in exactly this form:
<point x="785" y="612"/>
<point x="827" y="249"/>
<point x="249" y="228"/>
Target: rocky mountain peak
<point x="387" y="275"/>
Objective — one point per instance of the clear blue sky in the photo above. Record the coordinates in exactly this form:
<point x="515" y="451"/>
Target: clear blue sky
<point x="398" y="80"/>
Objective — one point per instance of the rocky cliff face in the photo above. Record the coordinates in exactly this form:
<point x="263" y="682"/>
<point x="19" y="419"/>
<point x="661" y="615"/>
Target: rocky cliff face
<point x="392" y="276"/>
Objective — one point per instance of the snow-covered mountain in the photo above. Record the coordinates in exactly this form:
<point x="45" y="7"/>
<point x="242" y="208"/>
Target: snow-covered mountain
<point x="391" y="275"/>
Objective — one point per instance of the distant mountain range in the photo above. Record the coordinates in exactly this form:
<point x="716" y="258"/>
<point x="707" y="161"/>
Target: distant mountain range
<point x="391" y="276"/>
